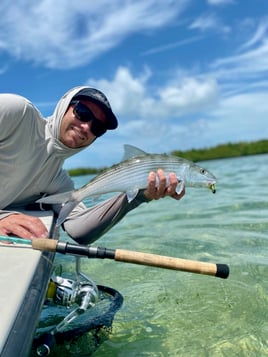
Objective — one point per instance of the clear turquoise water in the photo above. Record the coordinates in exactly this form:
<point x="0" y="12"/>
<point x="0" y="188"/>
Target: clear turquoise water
<point x="172" y="313"/>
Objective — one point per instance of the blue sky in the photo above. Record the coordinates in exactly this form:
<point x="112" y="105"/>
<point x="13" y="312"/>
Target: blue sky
<point x="179" y="74"/>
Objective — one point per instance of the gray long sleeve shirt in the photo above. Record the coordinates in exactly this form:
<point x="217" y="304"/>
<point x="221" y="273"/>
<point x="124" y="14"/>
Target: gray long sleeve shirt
<point x="31" y="159"/>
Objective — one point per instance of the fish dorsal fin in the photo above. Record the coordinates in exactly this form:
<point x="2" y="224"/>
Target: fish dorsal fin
<point x="131" y="151"/>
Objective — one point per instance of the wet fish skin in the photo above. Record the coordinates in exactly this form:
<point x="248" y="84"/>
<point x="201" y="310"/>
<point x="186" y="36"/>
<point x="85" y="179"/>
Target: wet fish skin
<point x="131" y="175"/>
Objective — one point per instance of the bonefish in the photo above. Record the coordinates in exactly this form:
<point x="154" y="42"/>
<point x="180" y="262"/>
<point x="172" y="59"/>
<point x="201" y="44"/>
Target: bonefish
<point x="131" y="175"/>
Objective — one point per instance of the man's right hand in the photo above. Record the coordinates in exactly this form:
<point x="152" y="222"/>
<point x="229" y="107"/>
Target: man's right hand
<point x="23" y="226"/>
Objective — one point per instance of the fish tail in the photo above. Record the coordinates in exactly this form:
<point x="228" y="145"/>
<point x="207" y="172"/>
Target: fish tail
<point x="66" y="210"/>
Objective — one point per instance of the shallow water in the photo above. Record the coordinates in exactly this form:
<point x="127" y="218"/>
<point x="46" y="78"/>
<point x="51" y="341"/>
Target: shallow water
<point x="172" y="313"/>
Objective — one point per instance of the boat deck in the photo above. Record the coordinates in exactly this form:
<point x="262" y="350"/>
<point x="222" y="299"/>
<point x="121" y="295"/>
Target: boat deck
<point x="24" y="274"/>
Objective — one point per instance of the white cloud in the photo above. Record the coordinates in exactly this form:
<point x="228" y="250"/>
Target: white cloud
<point x="249" y="64"/>
<point x="241" y="118"/>
<point x="171" y="46"/>
<point x="125" y="92"/>
<point x="69" y="34"/>
<point x="208" y="22"/>
<point x="190" y="95"/>
<point x="258" y="36"/>
<point x="132" y="97"/>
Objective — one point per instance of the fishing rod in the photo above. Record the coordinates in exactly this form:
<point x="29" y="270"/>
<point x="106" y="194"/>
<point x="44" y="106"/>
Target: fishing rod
<point x="126" y="256"/>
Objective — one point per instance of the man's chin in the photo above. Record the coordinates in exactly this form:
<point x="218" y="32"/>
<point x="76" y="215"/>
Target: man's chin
<point x="71" y="142"/>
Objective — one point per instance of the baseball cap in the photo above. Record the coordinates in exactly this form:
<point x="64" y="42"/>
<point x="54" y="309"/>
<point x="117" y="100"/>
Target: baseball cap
<point x="96" y="96"/>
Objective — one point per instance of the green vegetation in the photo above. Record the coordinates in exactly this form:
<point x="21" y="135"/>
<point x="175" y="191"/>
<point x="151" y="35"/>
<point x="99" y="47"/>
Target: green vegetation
<point x="218" y="152"/>
<point x="84" y="171"/>
<point x="225" y="151"/>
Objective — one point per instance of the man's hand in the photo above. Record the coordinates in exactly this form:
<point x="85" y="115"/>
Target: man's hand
<point x="154" y="193"/>
<point x="23" y="226"/>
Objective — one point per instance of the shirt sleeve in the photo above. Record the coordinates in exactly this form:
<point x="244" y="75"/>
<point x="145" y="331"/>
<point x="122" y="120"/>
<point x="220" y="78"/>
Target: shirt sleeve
<point x="86" y="225"/>
<point x="12" y="111"/>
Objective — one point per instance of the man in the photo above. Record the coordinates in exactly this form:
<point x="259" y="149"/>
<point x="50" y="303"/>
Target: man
<point x="33" y="150"/>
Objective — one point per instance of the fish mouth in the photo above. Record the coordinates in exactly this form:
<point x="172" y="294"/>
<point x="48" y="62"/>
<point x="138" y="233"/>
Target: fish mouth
<point x="212" y="187"/>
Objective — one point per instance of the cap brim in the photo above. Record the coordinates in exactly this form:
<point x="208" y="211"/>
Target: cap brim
<point x="112" y="120"/>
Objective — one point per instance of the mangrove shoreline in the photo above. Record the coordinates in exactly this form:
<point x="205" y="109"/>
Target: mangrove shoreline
<point x="221" y="151"/>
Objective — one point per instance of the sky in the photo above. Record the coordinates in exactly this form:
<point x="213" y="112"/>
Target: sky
<point x="178" y="74"/>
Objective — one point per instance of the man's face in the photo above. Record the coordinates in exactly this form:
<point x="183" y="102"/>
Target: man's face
<point x="75" y="133"/>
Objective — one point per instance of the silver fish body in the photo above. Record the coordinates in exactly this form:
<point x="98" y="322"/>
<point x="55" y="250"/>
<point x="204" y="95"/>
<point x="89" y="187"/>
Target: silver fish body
<point x="131" y="175"/>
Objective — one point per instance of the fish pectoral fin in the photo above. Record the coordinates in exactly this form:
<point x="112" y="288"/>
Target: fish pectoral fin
<point x="180" y="187"/>
<point x="132" y="194"/>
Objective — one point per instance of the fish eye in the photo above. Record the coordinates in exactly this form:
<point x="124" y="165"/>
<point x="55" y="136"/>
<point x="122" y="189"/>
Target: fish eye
<point x="202" y="171"/>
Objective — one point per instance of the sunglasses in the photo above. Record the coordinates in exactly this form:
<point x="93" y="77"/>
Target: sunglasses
<point x="85" y="115"/>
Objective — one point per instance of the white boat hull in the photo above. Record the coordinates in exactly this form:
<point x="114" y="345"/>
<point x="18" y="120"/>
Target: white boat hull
<point x="24" y="275"/>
